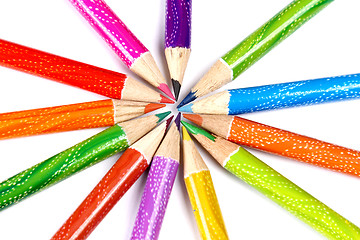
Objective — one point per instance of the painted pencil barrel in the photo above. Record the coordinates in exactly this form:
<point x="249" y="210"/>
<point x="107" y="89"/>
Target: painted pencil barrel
<point x="62" y="165"/>
<point x="111" y="29"/>
<point x="292" y="145"/>
<point x="57" y="119"/>
<point x="154" y="200"/>
<point x="104" y="196"/>
<point x="278" y="28"/>
<point x="178" y="23"/>
<point x="294" y="94"/>
<point x="205" y="206"/>
<point x="63" y="70"/>
<point x="288" y="195"/>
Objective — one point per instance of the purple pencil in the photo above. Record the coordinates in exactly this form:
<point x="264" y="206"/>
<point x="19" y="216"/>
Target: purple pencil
<point x="125" y="44"/>
<point x="158" y="186"/>
<point x="177" y="40"/>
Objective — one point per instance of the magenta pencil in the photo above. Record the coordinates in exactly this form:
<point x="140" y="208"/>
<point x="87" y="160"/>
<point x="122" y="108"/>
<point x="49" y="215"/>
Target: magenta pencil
<point x="158" y="186"/>
<point x="125" y="44"/>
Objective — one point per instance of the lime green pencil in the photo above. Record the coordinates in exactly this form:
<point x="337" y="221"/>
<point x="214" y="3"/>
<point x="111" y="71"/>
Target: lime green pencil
<point x="273" y="185"/>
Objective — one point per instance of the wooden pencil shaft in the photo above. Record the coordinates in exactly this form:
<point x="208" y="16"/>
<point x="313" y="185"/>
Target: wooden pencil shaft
<point x="192" y="159"/>
<point x="177" y="59"/>
<point x="170" y="146"/>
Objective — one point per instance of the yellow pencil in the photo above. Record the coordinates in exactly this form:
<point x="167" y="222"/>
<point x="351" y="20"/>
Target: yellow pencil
<point x="202" y="194"/>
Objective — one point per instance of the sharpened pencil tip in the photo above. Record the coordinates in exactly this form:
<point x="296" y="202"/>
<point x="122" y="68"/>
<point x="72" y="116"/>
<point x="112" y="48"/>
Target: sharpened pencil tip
<point x="186" y="108"/>
<point x="152" y="107"/>
<point x="166" y="100"/>
<point x="189" y="98"/>
<point x="168" y="121"/>
<point x="195" y="118"/>
<point x="165" y="89"/>
<point x="177" y="121"/>
<point x="163" y="115"/>
<point x="176" y="87"/>
<point x="185" y="134"/>
<point x="196" y="130"/>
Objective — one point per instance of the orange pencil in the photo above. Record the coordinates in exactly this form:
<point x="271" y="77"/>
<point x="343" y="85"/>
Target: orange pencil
<point x="281" y="142"/>
<point x="71" y="117"/>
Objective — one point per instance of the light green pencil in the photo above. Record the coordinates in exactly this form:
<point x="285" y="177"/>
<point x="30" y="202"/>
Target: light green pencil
<point x="273" y="185"/>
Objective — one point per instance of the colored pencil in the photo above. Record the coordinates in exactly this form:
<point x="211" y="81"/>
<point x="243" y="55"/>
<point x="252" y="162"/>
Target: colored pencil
<point x="74" y="159"/>
<point x="255" y="46"/>
<point x="201" y="192"/>
<point x="281" y="142"/>
<point x="123" y="174"/>
<point x="63" y="70"/>
<point x="273" y="185"/>
<point x="275" y="96"/>
<point x="86" y="115"/>
<point x="177" y="40"/>
<point x="158" y="186"/>
<point x="125" y="44"/>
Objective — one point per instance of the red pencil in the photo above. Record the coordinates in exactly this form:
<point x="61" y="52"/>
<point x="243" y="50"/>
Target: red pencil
<point x="112" y="186"/>
<point x="98" y="80"/>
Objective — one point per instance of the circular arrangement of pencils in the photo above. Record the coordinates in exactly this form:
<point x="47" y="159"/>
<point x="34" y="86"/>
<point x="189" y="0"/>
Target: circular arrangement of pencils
<point x="211" y="156"/>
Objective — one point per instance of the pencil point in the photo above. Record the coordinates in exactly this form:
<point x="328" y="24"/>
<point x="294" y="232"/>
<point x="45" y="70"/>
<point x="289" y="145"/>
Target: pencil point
<point x="185" y="134"/>
<point x="196" y="130"/>
<point x="166" y="100"/>
<point x="163" y="115"/>
<point x="153" y="106"/>
<point x="177" y="121"/>
<point x="189" y="98"/>
<point x="176" y="86"/>
<point x="195" y="118"/>
<point x="165" y="89"/>
<point x="186" y="108"/>
<point x="168" y="121"/>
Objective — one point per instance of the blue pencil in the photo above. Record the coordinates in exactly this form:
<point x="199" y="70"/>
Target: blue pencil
<point x="283" y="95"/>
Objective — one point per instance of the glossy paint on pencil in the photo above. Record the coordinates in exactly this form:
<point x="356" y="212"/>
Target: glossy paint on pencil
<point x="154" y="200"/>
<point x="178" y="24"/>
<point x="63" y="70"/>
<point x="300" y="93"/>
<point x="104" y="196"/>
<point x="274" y="31"/>
<point x="63" y="165"/>
<point x="291" y="197"/>
<point x="111" y="29"/>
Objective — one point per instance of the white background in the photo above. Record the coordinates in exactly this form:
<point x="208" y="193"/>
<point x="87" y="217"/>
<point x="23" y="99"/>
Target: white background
<point x="328" y="45"/>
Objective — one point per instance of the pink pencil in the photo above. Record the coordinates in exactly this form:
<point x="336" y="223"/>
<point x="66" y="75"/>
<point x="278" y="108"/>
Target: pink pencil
<point x="125" y="44"/>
